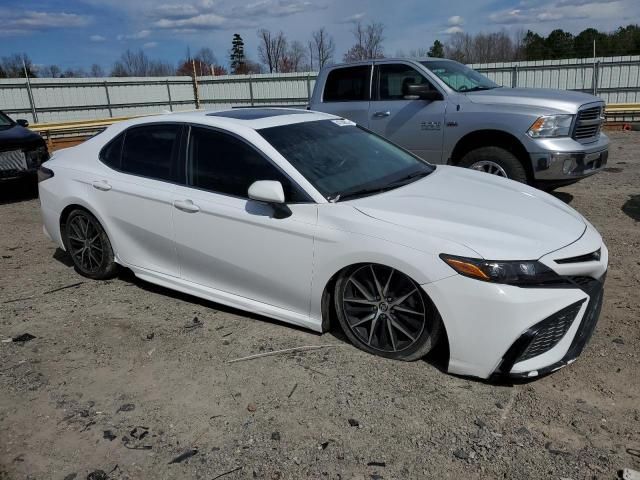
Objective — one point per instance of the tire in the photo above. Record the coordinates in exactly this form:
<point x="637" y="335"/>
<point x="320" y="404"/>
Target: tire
<point x="397" y="334"/>
<point x="497" y="161"/>
<point x="89" y="247"/>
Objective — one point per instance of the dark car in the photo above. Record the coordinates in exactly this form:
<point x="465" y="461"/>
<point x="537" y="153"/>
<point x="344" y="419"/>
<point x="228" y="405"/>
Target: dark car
<point x="21" y="150"/>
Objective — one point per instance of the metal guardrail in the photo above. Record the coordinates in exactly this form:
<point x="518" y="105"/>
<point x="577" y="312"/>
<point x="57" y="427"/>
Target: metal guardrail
<point x="78" y="128"/>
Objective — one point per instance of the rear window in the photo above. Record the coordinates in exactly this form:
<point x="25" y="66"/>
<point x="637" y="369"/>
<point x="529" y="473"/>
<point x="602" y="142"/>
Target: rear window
<point x="349" y="84"/>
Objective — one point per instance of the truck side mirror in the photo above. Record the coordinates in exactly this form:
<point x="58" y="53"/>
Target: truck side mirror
<point x="422" y="91"/>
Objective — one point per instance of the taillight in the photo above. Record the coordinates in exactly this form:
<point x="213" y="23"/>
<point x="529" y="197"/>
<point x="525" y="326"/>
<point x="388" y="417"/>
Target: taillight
<point x="44" y="173"/>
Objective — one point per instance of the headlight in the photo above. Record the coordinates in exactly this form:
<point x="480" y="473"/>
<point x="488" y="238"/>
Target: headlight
<point x="551" y="126"/>
<point x="518" y="273"/>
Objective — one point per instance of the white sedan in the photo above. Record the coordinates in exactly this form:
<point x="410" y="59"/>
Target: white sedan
<point x="307" y="217"/>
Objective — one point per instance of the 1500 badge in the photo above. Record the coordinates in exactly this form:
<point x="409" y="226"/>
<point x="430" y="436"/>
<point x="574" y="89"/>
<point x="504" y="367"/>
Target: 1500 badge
<point x="430" y="125"/>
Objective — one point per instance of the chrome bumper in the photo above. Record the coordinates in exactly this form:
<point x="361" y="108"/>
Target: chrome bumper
<point x="559" y="166"/>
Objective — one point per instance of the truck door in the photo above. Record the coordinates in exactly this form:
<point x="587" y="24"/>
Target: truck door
<point x="347" y="91"/>
<point x="416" y="125"/>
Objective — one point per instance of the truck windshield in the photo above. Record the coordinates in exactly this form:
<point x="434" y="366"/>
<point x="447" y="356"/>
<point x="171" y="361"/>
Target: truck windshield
<point x="459" y="77"/>
<point x="5" y="121"/>
<point x="342" y="160"/>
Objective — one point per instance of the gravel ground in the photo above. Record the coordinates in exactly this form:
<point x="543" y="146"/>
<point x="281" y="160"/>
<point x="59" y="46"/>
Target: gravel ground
<point x="121" y="378"/>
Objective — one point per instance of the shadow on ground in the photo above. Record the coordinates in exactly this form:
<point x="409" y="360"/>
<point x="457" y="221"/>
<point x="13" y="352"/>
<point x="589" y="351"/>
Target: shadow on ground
<point x="18" y="190"/>
<point x="632" y="207"/>
<point x="564" y="196"/>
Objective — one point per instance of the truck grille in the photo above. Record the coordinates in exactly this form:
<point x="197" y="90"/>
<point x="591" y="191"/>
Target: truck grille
<point x="588" y="124"/>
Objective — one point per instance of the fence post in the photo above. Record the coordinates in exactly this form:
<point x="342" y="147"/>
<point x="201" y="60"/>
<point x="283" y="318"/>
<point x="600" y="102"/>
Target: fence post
<point x="106" y="90"/>
<point x="596" y="77"/>
<point x="514" y="76"/>
<point x="169" y="95"/>
<point x="196" y="94"/>
<point x="251" y="88"/>
<point x="308" y="90"/>
<point x="32" y="102"/>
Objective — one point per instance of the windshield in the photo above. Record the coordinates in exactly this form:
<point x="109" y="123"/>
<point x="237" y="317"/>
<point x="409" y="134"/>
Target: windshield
<point x="5" y="121"/>
<point x="342" y="160"/>
<point x="459" y="77"/>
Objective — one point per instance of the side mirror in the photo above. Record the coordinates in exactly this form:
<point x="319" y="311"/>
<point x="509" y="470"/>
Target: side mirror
<point x="268" y="191"/>
<point x="271" y="192"/>
<point x="22" y="122"/>
<point x="422" y="91"/>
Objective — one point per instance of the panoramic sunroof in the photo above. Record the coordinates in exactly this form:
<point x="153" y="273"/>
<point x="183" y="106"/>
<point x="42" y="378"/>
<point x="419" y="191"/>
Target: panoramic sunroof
<point x="256" y="113"/>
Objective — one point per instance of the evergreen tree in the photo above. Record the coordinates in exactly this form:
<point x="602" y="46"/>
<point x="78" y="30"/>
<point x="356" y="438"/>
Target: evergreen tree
<point x="237" y="57"/>
<point x="437" y="50"/>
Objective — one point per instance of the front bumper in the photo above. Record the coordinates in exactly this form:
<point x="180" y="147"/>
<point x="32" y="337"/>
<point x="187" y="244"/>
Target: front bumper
<point x="566" y="160"/>
<point x="489" y="326"/>
<point x="19" y="162"/>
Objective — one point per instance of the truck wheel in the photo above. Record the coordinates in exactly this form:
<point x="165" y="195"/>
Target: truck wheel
<point x="496" y="161"/>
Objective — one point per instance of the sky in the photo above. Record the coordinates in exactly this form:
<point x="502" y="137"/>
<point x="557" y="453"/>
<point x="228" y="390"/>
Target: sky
<point x="78" y="33"/>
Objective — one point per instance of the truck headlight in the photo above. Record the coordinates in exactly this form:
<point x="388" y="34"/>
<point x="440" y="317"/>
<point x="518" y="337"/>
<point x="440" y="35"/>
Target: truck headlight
<point x="518" y="273"/>
<point x="551" y="126"/>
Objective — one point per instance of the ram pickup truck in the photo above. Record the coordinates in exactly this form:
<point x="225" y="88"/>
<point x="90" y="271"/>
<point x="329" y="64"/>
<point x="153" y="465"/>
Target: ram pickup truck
<point x="445" y="112"/>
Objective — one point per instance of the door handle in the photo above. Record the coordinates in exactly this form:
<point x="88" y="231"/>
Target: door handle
<point x="101" y="185"/>
<point x="382" y="114"/>
<point x="186" y="206"/>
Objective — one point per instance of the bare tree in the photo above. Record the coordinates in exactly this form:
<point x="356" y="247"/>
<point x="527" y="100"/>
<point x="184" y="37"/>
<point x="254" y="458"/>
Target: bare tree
<point x="137" y="64"/>
<point x="96" y="71"/>
<point x="271" y="49"/>
<point x="322" y="48"/>
<point x="482" y="48"/>
<point x="14" y="66"/>
<point x="368" y="44"/>
<point x="293" y="59"/>
<point x="50" y="71"/>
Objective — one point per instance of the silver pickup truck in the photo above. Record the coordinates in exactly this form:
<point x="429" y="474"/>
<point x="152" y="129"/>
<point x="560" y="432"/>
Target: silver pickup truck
<point x="446" y="112"/>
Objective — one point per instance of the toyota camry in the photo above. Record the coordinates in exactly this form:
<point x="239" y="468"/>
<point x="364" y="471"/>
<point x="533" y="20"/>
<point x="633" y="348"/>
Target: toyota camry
<point x="306" y="217"/>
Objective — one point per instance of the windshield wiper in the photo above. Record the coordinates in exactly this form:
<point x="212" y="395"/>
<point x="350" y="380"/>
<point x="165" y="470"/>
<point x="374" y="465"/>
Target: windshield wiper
<point x="379" y="189"/>
<point x="478" y="89"/>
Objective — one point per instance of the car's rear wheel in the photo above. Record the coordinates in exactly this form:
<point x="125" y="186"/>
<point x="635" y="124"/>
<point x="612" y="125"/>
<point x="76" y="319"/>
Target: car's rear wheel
<point x="384" y="312"/>
<point x="495" y="161"/>
<point x="89" y="246"/>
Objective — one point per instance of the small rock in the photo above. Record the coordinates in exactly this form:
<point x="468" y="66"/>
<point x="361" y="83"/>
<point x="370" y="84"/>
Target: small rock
<point x="150" y="336"/>
<point x="127" y="407"/>
<point x="499" y="405"/>
<point x="252" y="407"/>
<point x="479" y="423"/>
<point x="275" y="436"/>
<point x="353" y="422"/>
<point x="98" y="475"/>
<point x="108" y="434"/>
<point x="226" y="342"/>
<point x="71" y="476"/>
<point x="523" y="431"/>
<point x="461" y="454"/>
<point x="296" y="460"/>
<point x="618" y="341"/>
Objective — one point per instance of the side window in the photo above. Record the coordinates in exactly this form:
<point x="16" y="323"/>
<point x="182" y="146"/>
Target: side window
<point x="395" y="78"/>
<point x="221" y="163"/>
<point x="111" y="154"/>
<point x="349" y="84"/>
<point x="149" y="151"/>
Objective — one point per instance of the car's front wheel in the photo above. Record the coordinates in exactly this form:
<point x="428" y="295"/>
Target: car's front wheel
<point x="384" y="312"/>
<point x="89" y="247"/>
<point x="495" y="161"/>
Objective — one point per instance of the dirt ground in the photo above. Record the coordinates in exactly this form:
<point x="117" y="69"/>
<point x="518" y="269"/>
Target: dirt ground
<point x="120" y="378"/>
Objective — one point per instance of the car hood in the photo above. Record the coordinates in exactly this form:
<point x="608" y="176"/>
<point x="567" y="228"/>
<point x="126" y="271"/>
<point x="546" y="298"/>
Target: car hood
<point x="497" y="218"/>
<point x="16" y="136"/>
<point x="563" y="100"/>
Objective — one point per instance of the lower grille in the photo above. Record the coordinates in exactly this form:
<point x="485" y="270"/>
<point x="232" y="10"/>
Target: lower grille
<point x="13" y="160"/>
<point x="550" y="331"/>
<point x="547" y="334"/>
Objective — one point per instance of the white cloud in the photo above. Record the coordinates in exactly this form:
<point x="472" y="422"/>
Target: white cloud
<point x="97" y="38"/>
<point x="452" y="30"/>
<point x="202" y="21"/>
<point x="135" y="36"/>
<point x="16" y="22"/>
<point x="150" y="45"/>
<point x="455" y="21"/>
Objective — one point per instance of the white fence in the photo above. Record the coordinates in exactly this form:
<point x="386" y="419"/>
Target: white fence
<point x="615" y="79"/>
